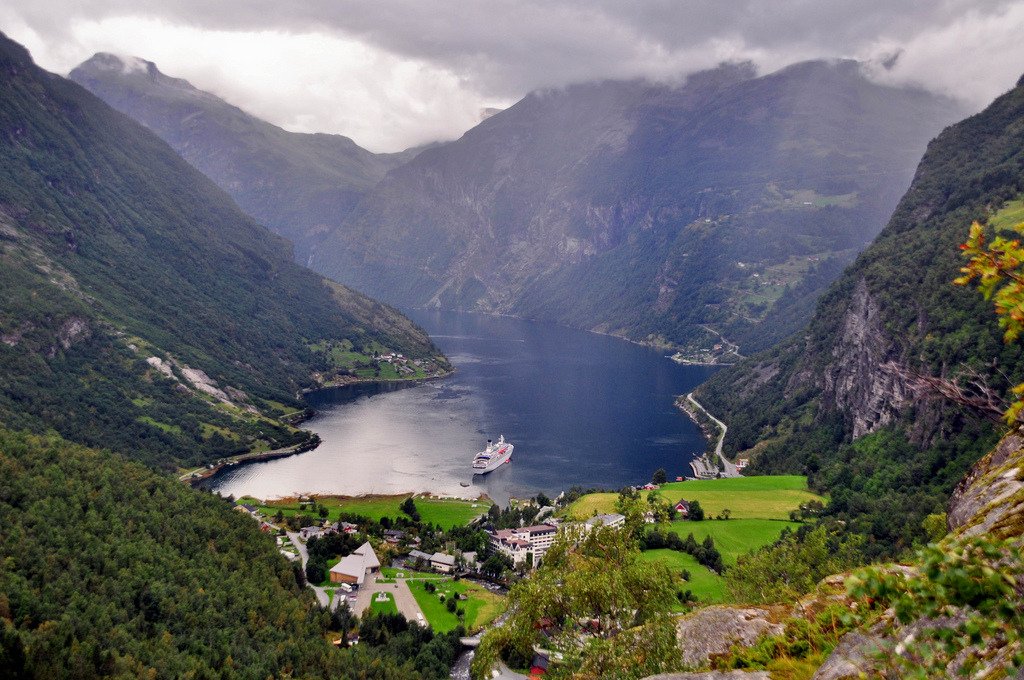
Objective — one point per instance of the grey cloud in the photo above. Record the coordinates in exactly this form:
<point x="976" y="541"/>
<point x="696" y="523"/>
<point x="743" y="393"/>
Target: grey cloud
<point x="501" y="49"/>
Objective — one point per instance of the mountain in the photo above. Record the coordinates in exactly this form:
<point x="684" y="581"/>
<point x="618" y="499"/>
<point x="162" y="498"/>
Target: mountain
<point x="298" y="185"/>
<point x="141" y="309"/>
<point x="849" y="399"/>
<point x="647" y="210"/>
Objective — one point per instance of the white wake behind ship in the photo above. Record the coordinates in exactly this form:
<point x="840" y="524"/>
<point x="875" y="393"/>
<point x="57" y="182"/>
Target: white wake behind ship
<point x="494" y="456"/>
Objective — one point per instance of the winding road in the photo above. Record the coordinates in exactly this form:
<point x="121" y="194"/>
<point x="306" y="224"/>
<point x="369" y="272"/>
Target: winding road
<point x="321" y="595"/>
<point x="730" y="467"/>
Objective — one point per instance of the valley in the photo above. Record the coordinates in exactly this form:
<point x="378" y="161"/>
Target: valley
<point x="749" y="311"/>
<point x="669" y="216"/>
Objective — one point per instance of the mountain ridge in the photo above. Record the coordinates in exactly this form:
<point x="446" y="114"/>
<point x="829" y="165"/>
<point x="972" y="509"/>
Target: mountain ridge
<point x="844" y="400"/>
<point x="297" y="184"/>
<point x="144" y="311"/>
<point x="582" y="205"/>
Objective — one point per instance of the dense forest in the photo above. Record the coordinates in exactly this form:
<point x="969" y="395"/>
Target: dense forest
<point x="110" y="569"/>
<point x="893" y="316"/>
<point x="114" y="252"/>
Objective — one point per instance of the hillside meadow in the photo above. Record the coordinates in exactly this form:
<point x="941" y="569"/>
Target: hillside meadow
<point x="767" y="497"/>
<point x="443" y="512"/>
<point x="759" y="510"/>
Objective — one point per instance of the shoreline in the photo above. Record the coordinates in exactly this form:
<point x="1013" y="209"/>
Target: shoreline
<point x="197" y="475"/>
<point x="482" y="498"/>
<point x="725" y="467"/>
<point x="355" y="380"/>
<point x="666" y="346"/>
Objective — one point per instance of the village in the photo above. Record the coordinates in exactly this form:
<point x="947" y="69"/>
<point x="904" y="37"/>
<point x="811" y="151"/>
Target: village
<point x="445" y="562"/>
<point x="397" y="576"/>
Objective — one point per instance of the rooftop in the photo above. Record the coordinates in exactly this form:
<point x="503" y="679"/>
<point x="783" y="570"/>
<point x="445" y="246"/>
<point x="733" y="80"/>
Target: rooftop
<point x="357" y="563"/>
<point x="608" y="520"/>
<point x="443" y="558"/>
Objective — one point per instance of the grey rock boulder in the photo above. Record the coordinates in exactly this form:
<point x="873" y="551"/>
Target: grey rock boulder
<point x="714" y="630"/>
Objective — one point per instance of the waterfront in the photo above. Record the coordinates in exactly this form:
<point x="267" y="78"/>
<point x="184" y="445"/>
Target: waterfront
<point x="581" y="408"/>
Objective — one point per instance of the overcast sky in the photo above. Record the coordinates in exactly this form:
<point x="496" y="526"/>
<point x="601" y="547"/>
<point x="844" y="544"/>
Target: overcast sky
<point x="393" y="74"/>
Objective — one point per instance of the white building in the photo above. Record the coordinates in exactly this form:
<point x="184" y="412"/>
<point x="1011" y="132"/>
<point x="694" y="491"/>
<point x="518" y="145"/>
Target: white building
<point x="442" y="562"/>
<point x="525" y="543"/>
<point x="613" y="520"/>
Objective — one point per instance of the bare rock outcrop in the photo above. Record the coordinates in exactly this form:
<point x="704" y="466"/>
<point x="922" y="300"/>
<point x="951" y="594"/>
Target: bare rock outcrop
<point x="852" y="655"/>
<point x="714" y="675"/>
<point x="856" y="383"/>
<point x="198" y="380"/>
<point x="990" y="499"/>
<point x="714" y="630"/>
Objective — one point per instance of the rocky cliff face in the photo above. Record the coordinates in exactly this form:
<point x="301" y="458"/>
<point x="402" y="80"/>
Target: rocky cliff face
<point x="894" y="311"/>
<point x="857" y="381"/>
<point x="990" y="500"/>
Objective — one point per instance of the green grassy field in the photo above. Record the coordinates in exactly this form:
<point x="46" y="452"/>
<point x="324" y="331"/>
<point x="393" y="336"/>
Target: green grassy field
<point x="759" y="508"/>
<point x="704" y="583"/>
<point x="770" y="497"/>
<point x="344" y="355"/>
<point x="1010" y="215"/>
<point x="386" y="607"/>
<point x="734" y="537"/>
<point x="447" y="513"/>
<point x="482" y="607"/>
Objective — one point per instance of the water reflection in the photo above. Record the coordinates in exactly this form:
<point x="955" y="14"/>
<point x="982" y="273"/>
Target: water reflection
<point x="581" y="409"/>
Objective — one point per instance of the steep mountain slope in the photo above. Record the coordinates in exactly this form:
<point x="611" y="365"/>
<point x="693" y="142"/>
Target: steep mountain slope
<point x="893" y="316"/>
<point x="647" y="210"/>
<point x="299" y="185"/>
<point x="141" y="309"/>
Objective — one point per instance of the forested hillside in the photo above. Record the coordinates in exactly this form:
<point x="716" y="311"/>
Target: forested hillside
<point x="108" y="569"/>
<point x="141" y="309"/>
<point x="648" y="210"/>
<point x="845" y="400"/>
<point x="299" y="185"/>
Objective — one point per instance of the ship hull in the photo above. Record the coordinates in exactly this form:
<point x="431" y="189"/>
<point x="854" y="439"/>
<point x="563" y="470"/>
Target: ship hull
<point x="496" y="461"/>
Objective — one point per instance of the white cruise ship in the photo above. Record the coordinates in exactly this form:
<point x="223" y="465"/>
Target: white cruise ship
<point x="492" y="457"/>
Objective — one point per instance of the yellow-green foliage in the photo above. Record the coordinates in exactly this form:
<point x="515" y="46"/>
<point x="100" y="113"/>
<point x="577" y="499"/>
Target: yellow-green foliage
<point x="998" y="268"/>
<point x="791" y="568"/>
<point x="797" y="652"/>
<point x="976" y="581"/>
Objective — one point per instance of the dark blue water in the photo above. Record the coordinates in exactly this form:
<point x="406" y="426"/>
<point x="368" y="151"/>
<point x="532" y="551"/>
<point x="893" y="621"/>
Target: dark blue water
<point x="581" y="409"/>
